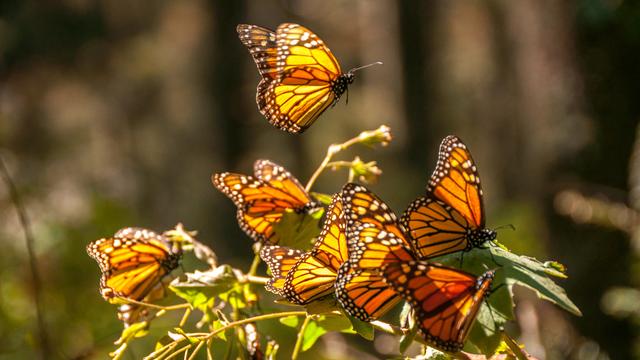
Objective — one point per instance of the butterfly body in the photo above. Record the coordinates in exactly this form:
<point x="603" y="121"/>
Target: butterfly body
<point x="301" y="78"/>
<point x="133" y="262"/>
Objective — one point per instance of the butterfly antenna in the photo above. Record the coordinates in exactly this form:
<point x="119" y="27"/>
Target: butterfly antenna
<point x="364" y="67"/>
<point x="508" y="226"/>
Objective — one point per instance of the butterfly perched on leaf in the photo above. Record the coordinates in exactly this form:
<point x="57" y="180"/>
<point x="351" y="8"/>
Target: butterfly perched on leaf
<point x="375" y="239"/>
<point x="314" y="272"/>
<point x="133" y="262"/>
<point x="300" y="75"/>
<point x="451" y="217"/>
<point x="445" y="301"/>
<point x="263" y="199"/>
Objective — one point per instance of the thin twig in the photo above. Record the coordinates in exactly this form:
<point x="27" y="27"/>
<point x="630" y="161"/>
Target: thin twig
<point x="196" y="350"/>
<point x="155" y="306"/>
<point x="299" y="340"/>
<point x="255" y="318"/>
<point x="45" y="349"/>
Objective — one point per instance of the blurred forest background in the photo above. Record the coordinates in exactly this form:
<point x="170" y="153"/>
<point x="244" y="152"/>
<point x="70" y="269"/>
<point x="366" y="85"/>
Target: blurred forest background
<point x="115" y="114"/>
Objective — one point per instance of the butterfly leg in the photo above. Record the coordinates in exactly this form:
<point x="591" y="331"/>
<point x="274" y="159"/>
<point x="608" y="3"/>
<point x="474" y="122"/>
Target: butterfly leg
<point x="461" y="258"/>
<point x="493" y="258"/>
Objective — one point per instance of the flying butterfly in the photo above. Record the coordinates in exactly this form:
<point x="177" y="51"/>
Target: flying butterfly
<point x="263" y="199"/>
<point x="445" y="301"/>
<point x="300" y="75"/>
<point x="314" y="273"/>
<point x="451" y="217"/>
<point x="375" y="239"/>
<point x="133" y="262"/>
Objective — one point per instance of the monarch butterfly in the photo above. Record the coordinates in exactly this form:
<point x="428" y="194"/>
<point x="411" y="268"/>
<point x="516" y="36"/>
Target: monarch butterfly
<point x="262" y="199"/>
<point x="300" y="75"/>
<point x="451" y="217"/>
<point x="445" y="300"/>
<point x="375" y="239"/>
<point x="133" y="262"/>
<point x="314" y="274"/>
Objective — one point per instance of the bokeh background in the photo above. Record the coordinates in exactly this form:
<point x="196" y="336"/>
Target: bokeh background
<point x="116" y="113"/>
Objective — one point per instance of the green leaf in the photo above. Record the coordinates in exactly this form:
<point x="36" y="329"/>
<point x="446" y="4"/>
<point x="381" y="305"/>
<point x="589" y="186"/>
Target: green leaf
<point x="135" y="330"/>
<point x="290" y="321"/>
<point x="217" y="324"/>
<point x="297" y="230"/>
<point x="334" y="323"/>
<point x="311" y="334"/>
<point x="200" y="288"/>
<point x="323" y="306"/>
<point x="323" y="198"/>
<point x="362" y="328"/>
<point x="234" y="297"/>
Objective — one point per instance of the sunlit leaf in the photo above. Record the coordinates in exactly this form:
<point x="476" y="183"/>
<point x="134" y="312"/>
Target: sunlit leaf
<point x="291" y="321"/>
<point x="297" y="230"/>
<point x="334" y="323"/>
<point x="325" y="305"/>
<point x="311" y="334"/>
<point x="200" y="287"/>
<point x="135" y="330"/>
<point x="323" y="198"/>
<point x="362" y="328"/>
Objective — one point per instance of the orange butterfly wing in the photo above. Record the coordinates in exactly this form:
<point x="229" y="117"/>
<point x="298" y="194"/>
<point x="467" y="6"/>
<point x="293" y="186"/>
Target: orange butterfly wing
<point x="314" y="275"/>
<point x="261" y="43"/>
<point x="263" y="199"/>
<point x="456" y="181"/>
<point x="445" y="300"/>
<point x="132" y="262"/>
<point x="279" y="260"/>
<point x="374" y="239"/>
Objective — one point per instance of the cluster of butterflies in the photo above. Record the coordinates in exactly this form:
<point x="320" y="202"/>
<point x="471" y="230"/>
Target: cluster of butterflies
<point x="364" y="256"/>
<point x="368" y="258"/>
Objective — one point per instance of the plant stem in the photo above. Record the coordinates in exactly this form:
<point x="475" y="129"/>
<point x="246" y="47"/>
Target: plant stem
<point x="196" y="350"/>
<point x="254" y="265"/>
<point x="258" y="280"/>
<point x="154" y="306"/>
<point x="299" y="340"/>
<point x="331" y="151"/>
<point x="181" y="350"/>
<point x="45" y="349"/>
<point x="187" y="312"/>
<point x="255" y="318"/>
